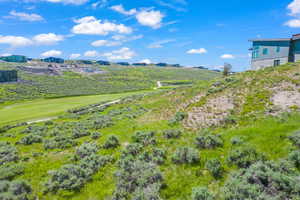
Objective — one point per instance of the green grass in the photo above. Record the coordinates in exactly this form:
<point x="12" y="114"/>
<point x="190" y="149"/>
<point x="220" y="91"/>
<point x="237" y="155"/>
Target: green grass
<point x="44" y="108"/>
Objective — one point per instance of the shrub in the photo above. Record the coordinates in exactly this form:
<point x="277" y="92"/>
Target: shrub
<point x="68" y="177"/>
<point x="294" y="157"/>
<point x="86" y="149"/>
<point x="179" y="116"/>
<point x="144" y="138"/>
<point x="9" y="171"/>
<point x="49" y="123"/>
<point x="137" y="180"/>
<point x="31" y="139"/>
<point x="209" y="141"/>
<point x="80" y="133"/>
<point x="157" y="156"/>
<point x="267" y="180"/>
<point x="14" y="190"/>
<point x="96" y="135"/>
<point x="172" y="134"/>
<point x="295" y="139"/>
<point x="186" y="155"/>
<point x="214" y="166"/>
<point x="132" y="150"/>
<point x="102" y="122"/>
<point x="111" y="142"/>
<point x="201" y="193"/>
<point x="243" y="157"/>
<point x="59" y="142"/>
<point x="237" y="140"/>
<point x="8" y="153"/>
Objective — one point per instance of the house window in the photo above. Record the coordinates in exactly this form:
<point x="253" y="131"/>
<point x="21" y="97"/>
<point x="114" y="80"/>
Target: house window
<point x="277" y="49"/>
<point x="265" y="51"/>
<point x="255" y="53"/>
<point x="276" y="63"/>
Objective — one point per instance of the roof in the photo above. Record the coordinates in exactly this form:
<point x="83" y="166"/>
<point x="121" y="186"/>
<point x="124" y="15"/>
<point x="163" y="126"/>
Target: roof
<point x="270" y="40"/>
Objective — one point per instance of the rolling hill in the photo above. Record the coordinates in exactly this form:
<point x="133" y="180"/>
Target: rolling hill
<point x="226" y="138"/>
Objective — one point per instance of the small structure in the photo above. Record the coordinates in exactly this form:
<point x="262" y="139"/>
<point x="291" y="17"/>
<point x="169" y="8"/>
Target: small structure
<point x="274" y="52"/>
<point x="8" y="76"/>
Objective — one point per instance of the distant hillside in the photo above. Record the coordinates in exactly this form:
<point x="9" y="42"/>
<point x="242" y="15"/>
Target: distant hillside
<point x="110" y="79"/>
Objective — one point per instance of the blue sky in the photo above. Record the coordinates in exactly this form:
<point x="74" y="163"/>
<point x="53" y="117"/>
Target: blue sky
<point x="188" y="32"/>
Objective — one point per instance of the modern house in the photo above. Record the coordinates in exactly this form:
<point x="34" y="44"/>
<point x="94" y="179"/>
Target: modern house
<point x="274" y="52"/>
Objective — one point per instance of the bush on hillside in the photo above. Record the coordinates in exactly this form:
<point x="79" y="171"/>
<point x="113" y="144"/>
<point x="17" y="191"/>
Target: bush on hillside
<point x="156" y="156"/>
<point x="243" y="157"/>
<point x="237" y="140"/>
<point x="137" y="180"/>
<point x="94" y="162"/>
<point x="214" y="166"/>
<point x="102" y="122"/>
<point x="201" y="193"/>
<point x="185" y="155"/>
<point x="8" y="153"/>
<point x="59" y="142"/>
<point x="111" y="142"/>
<point x="86" y="149"/>
<point x="80" y="133"/>
<point x="14" y="190"/>
<point x="209" y="141"/>
<point x="261" y="180"/>
<point x="31" y="139"/>
<point x="132" y="150"/>
<point x="294" y="157"/>
<point x="9" y="171"/>
<point x="96" y="135"/>
<point x="144" y="138"/>
<point x="295" y="139"/>
<point x="169" y="134"/>
<point x="179" y="116"/>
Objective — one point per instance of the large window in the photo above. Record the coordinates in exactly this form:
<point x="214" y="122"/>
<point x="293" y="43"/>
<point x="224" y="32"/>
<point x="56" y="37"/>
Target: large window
<point x="265" y="51"/>
<point x="277" y="49"/>
<point x="255" y="52"/>
<point x="276" y="63"/>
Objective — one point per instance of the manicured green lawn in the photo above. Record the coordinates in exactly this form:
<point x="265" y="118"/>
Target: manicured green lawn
<point x="44" y="108"/>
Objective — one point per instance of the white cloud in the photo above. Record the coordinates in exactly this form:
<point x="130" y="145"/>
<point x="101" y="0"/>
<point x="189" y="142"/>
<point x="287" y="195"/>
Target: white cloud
<point x="91" y="26"/>
<point x="197" y="51"/>
<point x="294" y="7"/>
<point x="106" y="43"/>
<point x="147" y="61"/>
<point x="150" y="18"/>
<point x="91" y="54"/>
<point x="6" y="54"/>
<point x="159" y="44"/>
<point x="100" y="4"/>
<point x="75" y="2"/>
<point x="15" y="41"/>
<point x="51" y="53"/>
<point x="120" y="9"/>
<point x="121" y="54"/>
<point x="75" y="55"/>
<point x="25" y="16"/>
<point x="227" y="56"/>
<point x="47" y="39"/>
<point x="293" y="23"/>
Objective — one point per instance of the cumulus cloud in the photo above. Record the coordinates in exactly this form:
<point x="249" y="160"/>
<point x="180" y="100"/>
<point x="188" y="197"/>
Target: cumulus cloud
<point x="147" y="61"/>
<point x="197" y="51"/>
<point x="91" y="54"/>
<point x="75" y="55"/>
<point x="51" y="53"/>
<point x="106" y="43"/>
<point x="6" y="54"/>
<point x="121" y="54"/>
<point x="120" y="9"/>
<point x="25" y="16"/>
<point x="150" y="18"/>
<point x="47" y="39"/>
<point x="293" y="23"/>
<point x="294" y="7"/>
<point x="227" y="56"/>
<point x="15" y="41"/>
<point x="91" y="26"/>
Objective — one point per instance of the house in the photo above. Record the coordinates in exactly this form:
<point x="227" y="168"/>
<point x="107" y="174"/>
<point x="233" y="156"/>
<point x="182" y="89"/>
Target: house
<point x="53" y="60"/>
<point x="14" y="58"/>
<point x="274" y="52"/>
<point x="8" y="76"/>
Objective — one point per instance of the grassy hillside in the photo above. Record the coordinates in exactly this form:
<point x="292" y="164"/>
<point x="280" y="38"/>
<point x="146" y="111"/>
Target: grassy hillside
<point x="114" y="79"/>
<point x="230" y="138"/>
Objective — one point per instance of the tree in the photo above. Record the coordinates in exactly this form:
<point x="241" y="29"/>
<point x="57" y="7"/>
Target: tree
<point x="227" y="69"/>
